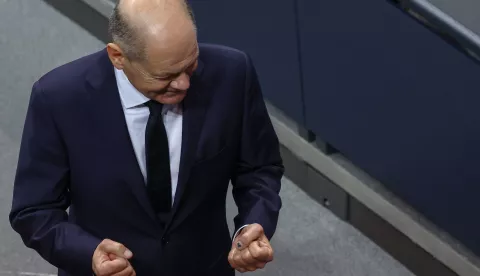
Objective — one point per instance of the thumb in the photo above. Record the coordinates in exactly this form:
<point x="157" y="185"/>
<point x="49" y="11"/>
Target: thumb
<point x="248" y="235"/>
<point x="110" y="247"/>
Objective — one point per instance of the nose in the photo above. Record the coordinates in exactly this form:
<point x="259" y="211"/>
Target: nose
<point x="181" y="83"/>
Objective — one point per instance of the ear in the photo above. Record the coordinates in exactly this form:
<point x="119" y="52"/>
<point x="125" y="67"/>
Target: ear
<point x="116" y="55"/>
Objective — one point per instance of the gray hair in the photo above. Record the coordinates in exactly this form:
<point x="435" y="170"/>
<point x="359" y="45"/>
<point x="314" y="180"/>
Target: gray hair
<point x="125" y="35"/>
<point x="128" y="37"/>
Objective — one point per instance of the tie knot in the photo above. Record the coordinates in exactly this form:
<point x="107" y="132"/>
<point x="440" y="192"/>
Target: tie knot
<point x="155" y="107"/>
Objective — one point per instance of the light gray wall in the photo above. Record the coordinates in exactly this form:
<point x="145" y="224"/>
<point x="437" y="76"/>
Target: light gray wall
<point x="466" y="12"/>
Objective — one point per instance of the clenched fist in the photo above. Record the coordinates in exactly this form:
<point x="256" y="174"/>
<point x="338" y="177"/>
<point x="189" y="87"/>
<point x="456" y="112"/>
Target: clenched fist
<point x="251" y="249"/>
<point x="111" y="258"/>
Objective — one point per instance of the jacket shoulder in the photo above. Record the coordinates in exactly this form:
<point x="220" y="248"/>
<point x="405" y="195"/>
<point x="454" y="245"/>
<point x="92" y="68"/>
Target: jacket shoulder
<point x="222" y="54"/>
<point x="66" y="78"/>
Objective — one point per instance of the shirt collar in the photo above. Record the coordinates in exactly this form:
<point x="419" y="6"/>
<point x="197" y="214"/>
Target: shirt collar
<point x="129" y="95"/>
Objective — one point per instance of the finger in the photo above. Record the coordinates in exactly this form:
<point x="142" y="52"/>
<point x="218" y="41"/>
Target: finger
<point x="128" y="271"/>
<point x="248" y="260"/>
<point x="114" y="266"/>
<point x="264" y="240"/>
<point x="112" y="257"/>
<point x="230" y="258"/>
<point x="238" y="260"/>
<point x="260" y="252"/>
<point x="248" y="235"/>
<point x="240" y="266"/>
<point x="111" y="247"/>
<point x="243" y="261"/>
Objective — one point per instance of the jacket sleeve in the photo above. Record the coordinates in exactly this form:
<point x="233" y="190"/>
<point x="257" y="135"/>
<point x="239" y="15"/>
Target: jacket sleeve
<point x="41" y="194"/>
<point x="257" y="180"/>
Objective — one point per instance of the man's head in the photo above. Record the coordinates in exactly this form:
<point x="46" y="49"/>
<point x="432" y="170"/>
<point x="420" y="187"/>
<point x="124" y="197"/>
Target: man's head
<point x="155" y="44"/>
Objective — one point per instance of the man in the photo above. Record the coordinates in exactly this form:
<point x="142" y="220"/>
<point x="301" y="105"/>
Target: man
<point x="140" y="141"/>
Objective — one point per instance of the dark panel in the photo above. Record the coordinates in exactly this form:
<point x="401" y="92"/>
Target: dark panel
<point x="399" y="102"/>
<point x="267" y="31"/>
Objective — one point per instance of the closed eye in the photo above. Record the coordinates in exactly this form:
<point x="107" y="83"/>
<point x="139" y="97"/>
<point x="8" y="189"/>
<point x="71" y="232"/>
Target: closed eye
<point x="188" y="70"/>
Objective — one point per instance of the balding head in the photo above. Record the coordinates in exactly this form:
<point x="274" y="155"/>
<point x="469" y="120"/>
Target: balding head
<point x="155" y="44"/>
<point x="136" y="23"/>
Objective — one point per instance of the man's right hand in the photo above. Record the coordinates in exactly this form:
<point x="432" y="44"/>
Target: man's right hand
<point x="111" y="258"/>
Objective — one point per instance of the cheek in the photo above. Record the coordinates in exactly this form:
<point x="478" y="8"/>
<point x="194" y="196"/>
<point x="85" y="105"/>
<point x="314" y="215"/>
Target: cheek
<point x="151" y="86"/>
<point x="156" y="85"/>
<point x="143" y="85"/>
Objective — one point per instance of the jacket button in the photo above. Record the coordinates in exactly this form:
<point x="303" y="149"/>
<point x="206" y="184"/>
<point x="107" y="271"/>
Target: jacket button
<point x="164" y="240"/>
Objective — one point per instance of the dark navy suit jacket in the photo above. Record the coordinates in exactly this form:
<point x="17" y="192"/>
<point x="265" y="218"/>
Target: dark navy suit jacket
<point x="76" y="153"/>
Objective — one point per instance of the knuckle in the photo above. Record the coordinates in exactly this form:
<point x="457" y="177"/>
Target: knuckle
<point x="246" y="255"/>
<point x="237" y="258"/>
<point x="266" y="251"/>
<point x="106" y="241"/>
<point x="256" y="253"/>
<point x="231" y="259"/>
<point x="258" y="227"/>
<point x="247" y="259"/>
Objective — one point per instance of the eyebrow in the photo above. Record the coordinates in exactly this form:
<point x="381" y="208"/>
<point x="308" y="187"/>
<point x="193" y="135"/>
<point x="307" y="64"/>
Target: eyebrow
<point x="166" y="73"/>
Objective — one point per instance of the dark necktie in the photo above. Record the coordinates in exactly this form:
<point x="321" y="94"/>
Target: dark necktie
<point x="158" y="161"/>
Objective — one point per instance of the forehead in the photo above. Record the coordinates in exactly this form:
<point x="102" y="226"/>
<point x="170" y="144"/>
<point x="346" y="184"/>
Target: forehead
<point x="181" y="50"/>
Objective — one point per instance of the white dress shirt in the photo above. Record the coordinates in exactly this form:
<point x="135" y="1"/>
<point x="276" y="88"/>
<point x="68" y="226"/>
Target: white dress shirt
<point x="136" y="116"/>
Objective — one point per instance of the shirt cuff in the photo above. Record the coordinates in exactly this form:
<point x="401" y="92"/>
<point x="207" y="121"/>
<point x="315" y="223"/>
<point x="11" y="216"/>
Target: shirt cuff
<point x="238" y="231"/>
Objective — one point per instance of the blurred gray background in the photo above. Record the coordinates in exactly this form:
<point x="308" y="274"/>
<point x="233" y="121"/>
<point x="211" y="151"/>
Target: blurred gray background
<point x="466" y="12"/>
<point x="34" y="38"/>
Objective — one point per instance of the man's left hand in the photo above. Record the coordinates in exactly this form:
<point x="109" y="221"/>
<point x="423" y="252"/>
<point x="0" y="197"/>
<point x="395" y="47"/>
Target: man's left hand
<point x="251" y="249"/>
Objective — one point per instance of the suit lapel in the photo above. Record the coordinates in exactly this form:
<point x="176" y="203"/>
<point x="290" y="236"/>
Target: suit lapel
<point x="107" y="113"/>
<point x="194" y="109"/>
